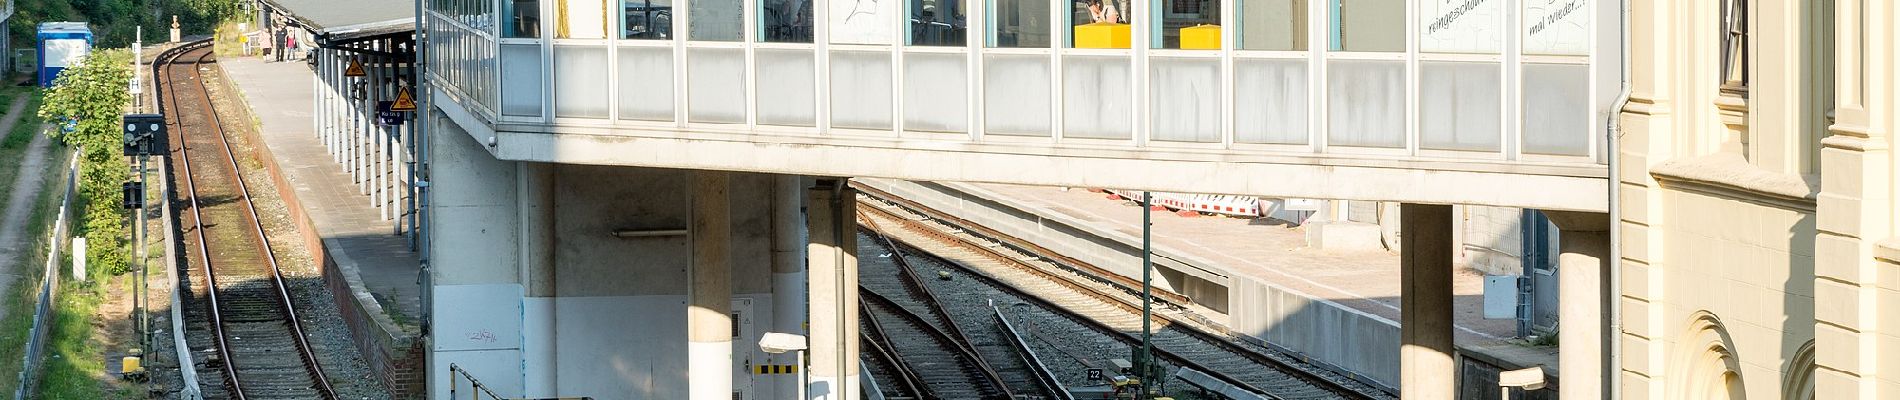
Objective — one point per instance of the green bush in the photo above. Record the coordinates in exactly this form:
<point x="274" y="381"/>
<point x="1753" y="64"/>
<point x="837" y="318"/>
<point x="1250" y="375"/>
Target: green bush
<point x="94" y="94"/>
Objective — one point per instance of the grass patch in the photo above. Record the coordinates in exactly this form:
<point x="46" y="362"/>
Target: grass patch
<point x="21" y="299"/>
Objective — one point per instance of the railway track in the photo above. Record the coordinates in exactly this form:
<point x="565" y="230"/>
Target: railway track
<point x="241" y="306"/>
<point x="1083" y="321"/>
<point x="906" y="311"/>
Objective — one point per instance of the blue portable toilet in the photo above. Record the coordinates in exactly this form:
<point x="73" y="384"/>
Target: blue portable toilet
<point x="62" y="44"/>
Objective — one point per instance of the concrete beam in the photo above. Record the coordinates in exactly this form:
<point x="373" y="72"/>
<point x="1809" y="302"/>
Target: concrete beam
<point x="1425" y="302"/>
<point x="1281" y="175"/>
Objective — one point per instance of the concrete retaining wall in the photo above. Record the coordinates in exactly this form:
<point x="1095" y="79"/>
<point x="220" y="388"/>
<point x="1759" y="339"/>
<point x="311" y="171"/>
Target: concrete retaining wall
<point x="395" y="356"/>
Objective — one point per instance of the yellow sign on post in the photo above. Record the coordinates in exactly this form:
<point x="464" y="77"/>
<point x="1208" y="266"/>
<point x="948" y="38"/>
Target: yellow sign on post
<point x="1101" y="35"/>
<point x="404" y="101"/>
<point x="355" y="69"/>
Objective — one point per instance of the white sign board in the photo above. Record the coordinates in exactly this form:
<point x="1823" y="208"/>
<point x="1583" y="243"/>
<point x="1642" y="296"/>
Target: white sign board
<point x="1461" y="26"/>
<point x="79" y="259"/>
<point x="1557" y="27"/>
<point x="63" y="53"/>
<point x="864" y="21"/>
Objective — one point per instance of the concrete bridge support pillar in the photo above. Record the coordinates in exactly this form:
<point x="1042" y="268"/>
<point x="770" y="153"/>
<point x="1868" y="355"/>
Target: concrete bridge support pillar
<point x="1425" y="301"/>
<point x="1583" y="244"/>
<point x="709" y="294"/>
<point x="788" y="272"/>
<point x="833" y="277"/>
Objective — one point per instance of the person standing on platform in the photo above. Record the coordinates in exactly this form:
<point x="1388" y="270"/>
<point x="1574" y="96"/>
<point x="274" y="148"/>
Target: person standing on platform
<point x="279" y="43"/>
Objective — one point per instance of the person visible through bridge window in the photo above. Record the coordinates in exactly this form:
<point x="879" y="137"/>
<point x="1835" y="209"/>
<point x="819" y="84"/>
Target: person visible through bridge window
<point x="1099" y="24"/>
<point x="785" y="21"/>
<point x="646" y="19"/>
<point x="522" y="19"/>
<point x="937" y="23"/>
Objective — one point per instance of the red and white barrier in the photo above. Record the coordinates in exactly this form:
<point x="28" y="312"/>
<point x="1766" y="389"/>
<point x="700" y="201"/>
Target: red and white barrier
<point x="1239" y="206"/>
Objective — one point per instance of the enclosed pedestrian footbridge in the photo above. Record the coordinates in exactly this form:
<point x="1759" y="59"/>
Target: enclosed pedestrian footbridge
<point x="1413" y="101"/>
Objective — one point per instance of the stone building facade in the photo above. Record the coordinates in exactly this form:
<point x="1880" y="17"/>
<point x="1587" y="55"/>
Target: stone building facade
<point x="1756" y="186"/>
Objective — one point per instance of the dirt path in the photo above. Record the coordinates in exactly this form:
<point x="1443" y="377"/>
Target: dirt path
<point x="19" y="206"/>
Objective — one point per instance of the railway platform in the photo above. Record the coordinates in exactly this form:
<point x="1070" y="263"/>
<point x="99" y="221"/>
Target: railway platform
<point x="1261" y="250"/>
<point x="357" y="239"/>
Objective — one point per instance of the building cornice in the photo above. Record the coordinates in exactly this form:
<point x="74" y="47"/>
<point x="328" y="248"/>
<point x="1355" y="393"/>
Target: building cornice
<point x="1729" y="176"/>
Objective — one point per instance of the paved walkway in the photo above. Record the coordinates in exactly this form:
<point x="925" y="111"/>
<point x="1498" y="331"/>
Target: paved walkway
<point x="1364" y="280"/>
<point x="280" y="96"/>
<point x="25" y="190"/>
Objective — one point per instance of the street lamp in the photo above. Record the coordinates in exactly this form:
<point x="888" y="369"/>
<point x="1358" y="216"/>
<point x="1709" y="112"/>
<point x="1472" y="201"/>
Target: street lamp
<point x="779" y="343"/>
<point x="1528" y="379"/>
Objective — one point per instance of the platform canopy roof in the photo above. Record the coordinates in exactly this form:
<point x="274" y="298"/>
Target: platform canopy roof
<point x="341" y="20"/>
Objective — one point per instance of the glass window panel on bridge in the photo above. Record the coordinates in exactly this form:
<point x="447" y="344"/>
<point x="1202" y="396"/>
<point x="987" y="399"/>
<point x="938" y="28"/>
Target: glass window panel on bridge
<point x="715" y="85"/>
<point x="580" y="76"/>
<point x="646" y="19"/>
<point x="936" y="97"/>
<point x="521" y="97"/>
<point x="787" y="87"/>
<point x="1185" y="24"/>
<point x="861" y="90"/>
<point x="1186" y="106"/>
<point x="1017" y="95"/>
<point x="1097" y="97"/>
<point x="785" y="21"/>
<point x="715" y="20"/>
<point x="1556" y="109"/>
<point x="1365" y="101"/>
<point x="580" y="19"/>
<point x="1368" y="25"/>
<point x="937" y="23"/>
<point x="1270" y="101"/>
<point x="521" y="19"/>
<point x="1278" y="25"/>
<point x="1019" y="24"/>
<point x="646" y="83"/>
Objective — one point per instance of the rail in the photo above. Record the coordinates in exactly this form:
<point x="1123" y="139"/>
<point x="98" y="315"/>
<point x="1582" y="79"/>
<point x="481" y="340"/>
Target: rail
<point x="1219" y="341"/>
<point x="882" y="347"/>
<point x="930" y="298"/>
<point x="1043" y="375"/>
<point x="188" y="377"/>
<point x="49" y="283"/>
<point x="276" y="274"/>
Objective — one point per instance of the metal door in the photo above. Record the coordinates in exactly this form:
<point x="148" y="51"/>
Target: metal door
<point x="1540" y="268"/>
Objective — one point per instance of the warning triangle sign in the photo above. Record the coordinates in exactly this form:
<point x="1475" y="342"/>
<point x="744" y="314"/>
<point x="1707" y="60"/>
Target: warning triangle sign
<point x="404" y="101"/>
<point x="355" y="69"/>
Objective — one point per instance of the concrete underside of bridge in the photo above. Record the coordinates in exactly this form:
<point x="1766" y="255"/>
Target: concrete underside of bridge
<point x="612" y="282"/>
<point x="607" y="280"/>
